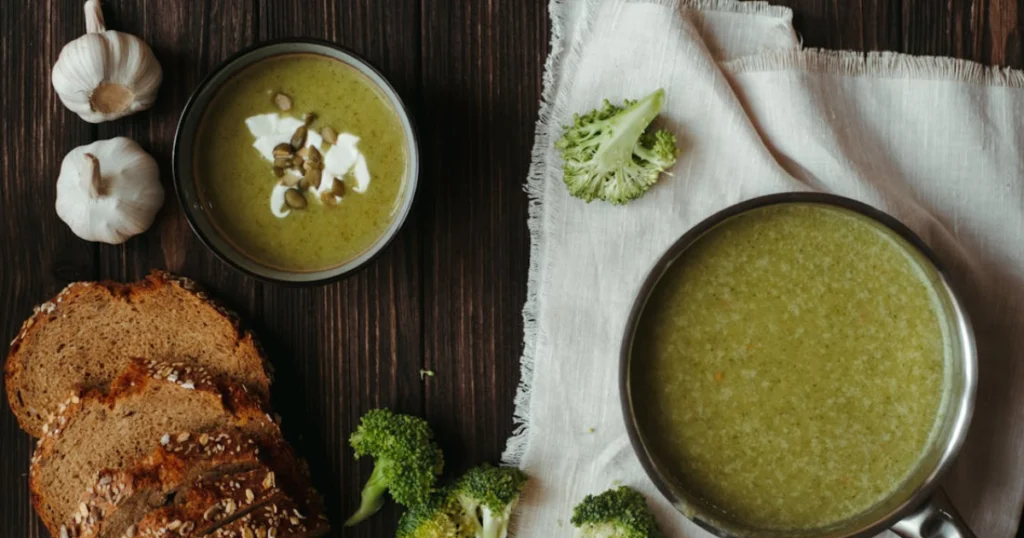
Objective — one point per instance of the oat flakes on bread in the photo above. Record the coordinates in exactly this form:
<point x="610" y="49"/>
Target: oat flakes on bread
<point x="121" y="497"/>
<point x="208" y="504"/>
<point x="97" y="431"/>
<point x="86" y="335"/>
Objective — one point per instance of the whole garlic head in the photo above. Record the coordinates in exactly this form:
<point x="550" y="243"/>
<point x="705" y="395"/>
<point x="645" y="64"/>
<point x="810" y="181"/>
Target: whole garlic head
<point x="105" y="75"/>
<point x="109" y="190"/>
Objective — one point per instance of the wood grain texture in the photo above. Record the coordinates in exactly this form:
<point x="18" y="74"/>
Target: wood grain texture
<point x="447" y="294"/>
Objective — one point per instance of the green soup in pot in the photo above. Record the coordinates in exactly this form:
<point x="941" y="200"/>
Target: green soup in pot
<point x="234" y="183"/>
<point x="789" y="368"/>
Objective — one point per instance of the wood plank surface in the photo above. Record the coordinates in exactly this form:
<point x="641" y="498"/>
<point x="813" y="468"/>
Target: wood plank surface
<point x="447" y="294"/>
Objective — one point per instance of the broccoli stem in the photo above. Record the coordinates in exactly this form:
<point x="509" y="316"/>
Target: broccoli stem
<point x="495" y="524"/>
<point x="628" y="127"/>
<point x="372" y="496"/>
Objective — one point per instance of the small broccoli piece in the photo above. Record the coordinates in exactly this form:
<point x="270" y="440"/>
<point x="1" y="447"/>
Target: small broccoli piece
<point x="440" y="517"/>
<point x="609" y="156"/>
<point x="487" y="495"/>
<point x="617" y="513"/>
<point x="406" y="460"/>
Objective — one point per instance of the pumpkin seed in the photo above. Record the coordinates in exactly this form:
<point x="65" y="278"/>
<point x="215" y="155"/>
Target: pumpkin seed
<point x="310" y="180"/>
<point x="294" y="199"/>
<point x="282" y="162"/>
<point x="283" y="102"/>
<point x="329" y="134"/>
<point x="303" y="152"/>
<point x="283" y="150"/>
<point x="314" y="155"/>
<point x="278" y="171"/>
<point x="338" y="187"/>
<point x="308" y="118"/>
<point x="328" y="199"/>
<point x="297" y="162"/>
<point x="299" y="138"/>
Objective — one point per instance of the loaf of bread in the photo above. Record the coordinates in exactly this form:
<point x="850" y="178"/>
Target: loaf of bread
<point x="114" y="430"/>
<point x="86" y="335"/>
<point x="121" y="497"/>
<point x="208" y="504"/>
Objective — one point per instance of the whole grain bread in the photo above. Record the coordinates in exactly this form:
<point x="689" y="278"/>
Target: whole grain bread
<point x="121" y="497"/>
<point x="280" y="518"/>
<point x="85" y="336"/>
<point x="208" y="504"/>
<point x="95" y="431"/>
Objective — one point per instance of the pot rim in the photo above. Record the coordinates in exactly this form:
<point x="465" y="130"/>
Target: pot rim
<point x="412" y="180"/>
<point x="963" y="409"/>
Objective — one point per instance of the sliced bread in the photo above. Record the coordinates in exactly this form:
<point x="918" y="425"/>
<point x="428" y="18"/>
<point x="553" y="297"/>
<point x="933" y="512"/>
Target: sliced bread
<point x="86" y="335"/>
<point x="280" y="518"/>
<point x="208" y="504"/>
<point x="96" y="431"/>
<point x="121" y="497"/>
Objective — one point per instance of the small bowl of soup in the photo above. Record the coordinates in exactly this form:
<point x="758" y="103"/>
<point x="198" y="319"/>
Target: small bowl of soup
<point x="798" y="365"/>
<point x="296" y="161"/>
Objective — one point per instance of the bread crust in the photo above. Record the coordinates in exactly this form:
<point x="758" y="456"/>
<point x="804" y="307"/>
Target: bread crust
<point x="31" y="419"/>
<point x="235" y="399"/>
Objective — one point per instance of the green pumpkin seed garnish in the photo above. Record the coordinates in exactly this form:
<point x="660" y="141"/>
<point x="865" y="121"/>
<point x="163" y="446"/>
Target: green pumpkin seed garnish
<point x="283" y="102"/>
<point x="299" y="138"/>
<point x="308" y="118"/>
<point x="338" y="187"/>
<point x="329" y="134"/>
<point x="294" y="199"/>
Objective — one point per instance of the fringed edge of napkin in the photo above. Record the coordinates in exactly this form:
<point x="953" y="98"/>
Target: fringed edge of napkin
<point x="559" y="64"/>
<point x="878" y="65"/>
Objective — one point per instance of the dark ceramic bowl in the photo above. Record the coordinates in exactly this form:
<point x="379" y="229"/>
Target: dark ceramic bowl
<point x="913" y="509"/>
<point x="185" y="182"/>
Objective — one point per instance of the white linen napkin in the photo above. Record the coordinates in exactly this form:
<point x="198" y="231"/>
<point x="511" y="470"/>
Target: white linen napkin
<point x="934" y="141"/>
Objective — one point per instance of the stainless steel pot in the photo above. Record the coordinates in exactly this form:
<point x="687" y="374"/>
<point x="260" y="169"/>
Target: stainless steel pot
<point x="916" y="508"/>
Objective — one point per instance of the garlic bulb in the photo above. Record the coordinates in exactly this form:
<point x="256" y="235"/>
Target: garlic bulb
<point x="109" y="190"/>
<point x="104" y="74"/>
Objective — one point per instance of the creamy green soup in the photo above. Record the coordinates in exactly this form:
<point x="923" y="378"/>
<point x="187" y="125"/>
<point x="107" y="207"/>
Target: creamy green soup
<point x="235" y="183"/>
<point x="789" y="368"/>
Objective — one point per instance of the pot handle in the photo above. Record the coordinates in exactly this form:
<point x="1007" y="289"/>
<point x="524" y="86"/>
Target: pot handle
<point x="936" y="518"/>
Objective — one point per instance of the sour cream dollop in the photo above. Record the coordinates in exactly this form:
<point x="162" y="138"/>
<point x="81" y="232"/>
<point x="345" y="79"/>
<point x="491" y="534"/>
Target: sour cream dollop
<point x="270" y="130"/>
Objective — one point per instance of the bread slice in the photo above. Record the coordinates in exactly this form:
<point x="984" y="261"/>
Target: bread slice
<point x="280" y="518"/>
<point x="207" y="504"/>
<point x="86" y="335"/>
<point x="121" y="497"/>
<point x="98" y="431"/>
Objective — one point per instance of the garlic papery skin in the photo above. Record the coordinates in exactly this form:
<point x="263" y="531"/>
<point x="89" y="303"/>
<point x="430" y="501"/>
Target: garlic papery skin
<point x="109" y="190"/>
<point x="105" y="75"/>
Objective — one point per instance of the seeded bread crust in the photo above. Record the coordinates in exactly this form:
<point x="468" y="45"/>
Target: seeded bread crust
<point x="278" y="519"/>
<point x="208" y="504"/>
<point x="33" y="410"/>
<point x="57" y="477"/>
<point x="120" y="497"/>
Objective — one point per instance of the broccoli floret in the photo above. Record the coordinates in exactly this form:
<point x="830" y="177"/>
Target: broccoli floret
<point x="487" y="495"/>
<point x="440" y="517"/>
<point x="406" y="460"/>
<point x="478" y="505"/>
<point x="616" y="513"/>
<point x="609" y="156"/>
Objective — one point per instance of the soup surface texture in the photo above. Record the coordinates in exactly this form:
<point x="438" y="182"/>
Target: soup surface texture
<point x="789" y="368"/>
<point x="235" y="182"/>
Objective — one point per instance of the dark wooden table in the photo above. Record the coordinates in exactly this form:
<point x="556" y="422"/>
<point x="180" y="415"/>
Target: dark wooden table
<point x="447" y="294"/>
